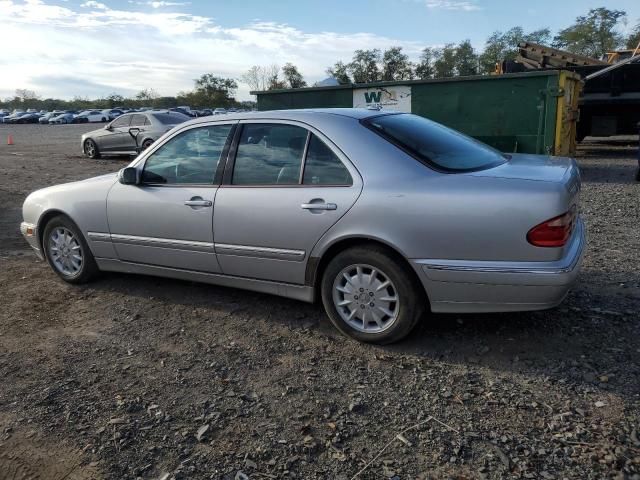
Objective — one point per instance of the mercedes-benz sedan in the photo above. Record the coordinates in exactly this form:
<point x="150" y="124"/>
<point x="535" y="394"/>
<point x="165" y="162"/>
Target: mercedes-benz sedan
<point x="129" y="133"/>
<point x="381" y="216"/>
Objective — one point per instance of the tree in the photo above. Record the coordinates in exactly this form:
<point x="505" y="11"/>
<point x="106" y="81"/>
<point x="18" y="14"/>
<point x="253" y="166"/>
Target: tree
<point x="292" y="76"/>
<point x="211" y="85"/>
<point x="424" y="67"/>
<point x="634" y="38"/>
<point x="147" y="94"/>
<point x="364" y="66"/>
<point x="272" y="76"/>
<point x="504" y="45"/>
<point x="593" y="34"/>
<point x="339" y="71"/>
<point x="396" y="65"/>
<point x="114" y="100"/>
<point x="256" y="77"/>
<point x="466" y="59"/>
<point x="445" y="61"/>
<point x="24" y="95"/>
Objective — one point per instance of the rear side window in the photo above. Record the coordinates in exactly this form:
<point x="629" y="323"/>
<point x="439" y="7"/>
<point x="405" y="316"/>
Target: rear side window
<point x="323" y="167"/>
<point x="138" y="120"/>
<point x="269" y="154"/>
<point x="435" y="144"/>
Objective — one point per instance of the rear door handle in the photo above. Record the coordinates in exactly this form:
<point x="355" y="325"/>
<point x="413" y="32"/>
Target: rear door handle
<point x="198" y="203"/>
<point x="319" y="206"/>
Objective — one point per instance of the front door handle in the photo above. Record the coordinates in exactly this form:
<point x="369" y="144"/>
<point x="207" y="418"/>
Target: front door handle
<point x="319" y="206"/>
<point x="198" y="203"/>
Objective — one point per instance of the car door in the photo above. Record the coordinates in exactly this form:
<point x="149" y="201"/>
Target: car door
<point x="136" y="127"/>
<point x="285" y="185"/>
<point x="166" y="220"/>
<point x="116" y="135"/>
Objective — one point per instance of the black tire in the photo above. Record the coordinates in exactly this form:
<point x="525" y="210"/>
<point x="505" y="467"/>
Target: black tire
<point x="146" y="144"/>
<point x="104" y="119"/>
<point x="87" y="269"/>
<point x="410" y="294"/>
<point x="638" y="175"/>
<point x="91" y="149"/>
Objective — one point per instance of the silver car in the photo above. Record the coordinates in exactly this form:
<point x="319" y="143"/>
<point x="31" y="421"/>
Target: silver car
<point x="130" y="133"/>
<point x="380" y="216"/>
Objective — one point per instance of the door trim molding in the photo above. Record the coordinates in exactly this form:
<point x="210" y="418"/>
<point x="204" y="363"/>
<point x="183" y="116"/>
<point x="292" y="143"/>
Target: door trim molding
<point x="260" y="252"/>
<point x="190" y="245"/>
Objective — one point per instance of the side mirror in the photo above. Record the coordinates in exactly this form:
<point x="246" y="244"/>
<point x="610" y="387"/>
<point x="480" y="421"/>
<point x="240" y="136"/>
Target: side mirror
<point x="128" y="176"/>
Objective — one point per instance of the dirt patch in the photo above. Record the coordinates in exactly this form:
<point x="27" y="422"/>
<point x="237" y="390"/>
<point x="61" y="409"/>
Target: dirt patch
<point x="142" y="377"/>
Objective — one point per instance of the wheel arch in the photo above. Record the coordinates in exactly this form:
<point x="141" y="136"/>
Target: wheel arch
<point x="316" y="265"/>
<point x="45" y="218"/>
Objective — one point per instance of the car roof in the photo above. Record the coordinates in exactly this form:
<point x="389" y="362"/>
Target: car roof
<point x="295" y="114"/>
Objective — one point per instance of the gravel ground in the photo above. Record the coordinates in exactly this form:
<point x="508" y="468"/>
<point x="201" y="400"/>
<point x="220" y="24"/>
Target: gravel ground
<point x="140" y="377"/>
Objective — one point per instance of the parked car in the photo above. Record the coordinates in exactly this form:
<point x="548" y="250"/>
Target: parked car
<point x="66" y="117"/>
<point x="48" y="116"/>
<point x="112" y="113"/>
<point x="28" y="117"/>
<point x="219" y="111"/>
<point x="379" y="215"/>
<point x="129" y="133"/>
<point x="15" y="114"/>
<point x="91" y="116"/>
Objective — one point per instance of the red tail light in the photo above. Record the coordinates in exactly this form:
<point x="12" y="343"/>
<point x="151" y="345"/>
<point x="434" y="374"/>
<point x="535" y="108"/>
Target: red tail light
<point x="554" y="232"/>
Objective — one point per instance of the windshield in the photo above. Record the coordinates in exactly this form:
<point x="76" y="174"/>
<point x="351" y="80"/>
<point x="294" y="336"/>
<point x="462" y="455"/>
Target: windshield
<point x="435" y="144"/>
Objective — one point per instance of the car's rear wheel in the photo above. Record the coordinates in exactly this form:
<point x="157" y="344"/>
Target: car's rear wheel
<point x="369" y="295"/>
<point x="146" y="144"/>
<point x="67" y="251"/>
<point x="91" y="149"/>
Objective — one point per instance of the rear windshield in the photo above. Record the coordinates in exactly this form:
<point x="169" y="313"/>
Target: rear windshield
<point x="435" y="144"/>
<point x="170" y="118"/>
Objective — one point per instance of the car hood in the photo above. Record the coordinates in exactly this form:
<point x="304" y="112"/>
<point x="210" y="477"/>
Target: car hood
<point x="523" y="166"/>
<point x="90" y="183"/>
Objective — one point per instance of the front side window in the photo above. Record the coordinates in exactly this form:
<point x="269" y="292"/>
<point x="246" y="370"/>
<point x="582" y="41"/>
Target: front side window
<point x="122" y="121"/>
<point x="435" y="144"/>
<point x="323" y="167"/>
<point x="190" y="157"/>
<point x="269" y="154"/>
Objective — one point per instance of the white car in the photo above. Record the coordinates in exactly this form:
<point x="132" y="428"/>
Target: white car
<point x="219" y="111"/>
<point x="91" y="116"/>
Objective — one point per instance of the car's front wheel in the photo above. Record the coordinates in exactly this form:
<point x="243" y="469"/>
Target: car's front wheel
<point x="67" y="251"/>
<point x="91" y="149"/>
<point x="369" y="295"/>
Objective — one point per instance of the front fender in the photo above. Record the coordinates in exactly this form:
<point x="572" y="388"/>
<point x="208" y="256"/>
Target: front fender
<point x="84" y="202"/>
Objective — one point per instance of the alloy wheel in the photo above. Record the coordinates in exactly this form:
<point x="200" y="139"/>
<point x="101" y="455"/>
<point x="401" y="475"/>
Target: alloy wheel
<point x="366" y="298"/>
<point x="65" y="251"/>
<point x="90" y="148"/>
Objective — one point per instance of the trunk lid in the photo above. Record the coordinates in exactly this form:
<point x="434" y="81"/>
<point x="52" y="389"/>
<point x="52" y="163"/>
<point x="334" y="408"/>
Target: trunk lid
<point x="540" y="168"/>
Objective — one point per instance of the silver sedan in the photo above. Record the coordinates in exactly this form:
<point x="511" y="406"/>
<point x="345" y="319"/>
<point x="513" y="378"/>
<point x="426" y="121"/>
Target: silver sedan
<point x="380" y="216"/>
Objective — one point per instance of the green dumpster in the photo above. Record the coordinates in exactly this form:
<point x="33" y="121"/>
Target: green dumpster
<point x="533" y="112"/>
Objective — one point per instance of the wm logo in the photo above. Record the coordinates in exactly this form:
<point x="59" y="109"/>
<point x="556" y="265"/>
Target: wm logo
<point x="373" y="97"/>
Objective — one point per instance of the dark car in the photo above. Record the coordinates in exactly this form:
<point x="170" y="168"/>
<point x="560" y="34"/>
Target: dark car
<point x="26" y="118"/>
<point x="130" y="133"/>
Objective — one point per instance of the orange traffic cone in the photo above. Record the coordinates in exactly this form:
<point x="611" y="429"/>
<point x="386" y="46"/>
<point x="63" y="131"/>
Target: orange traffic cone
<point x="10" y="140"/>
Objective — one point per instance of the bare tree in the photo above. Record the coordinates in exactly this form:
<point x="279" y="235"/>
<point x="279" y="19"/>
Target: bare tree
<point x="25" y="94"/>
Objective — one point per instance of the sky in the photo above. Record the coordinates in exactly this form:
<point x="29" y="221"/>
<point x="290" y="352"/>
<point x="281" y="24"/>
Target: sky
<point x="88" y="48"/>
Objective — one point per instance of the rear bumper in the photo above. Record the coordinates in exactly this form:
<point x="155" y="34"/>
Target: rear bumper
<point x="463" y="286"/>
<point x="30" y="233"/>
